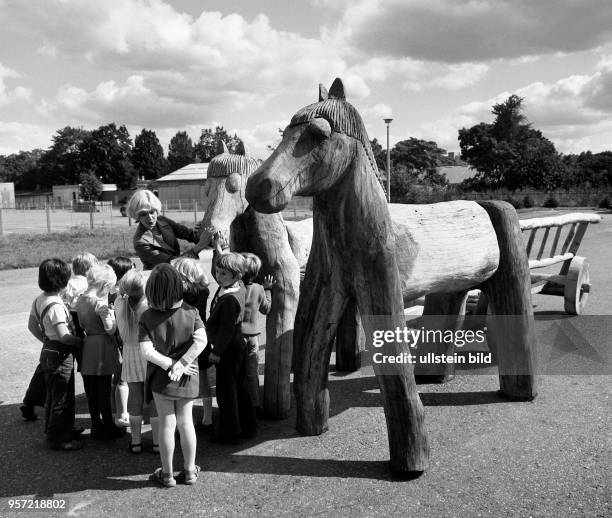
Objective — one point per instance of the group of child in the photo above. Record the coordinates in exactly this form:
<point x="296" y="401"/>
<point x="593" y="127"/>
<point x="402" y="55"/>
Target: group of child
<point x="143" y="344"/>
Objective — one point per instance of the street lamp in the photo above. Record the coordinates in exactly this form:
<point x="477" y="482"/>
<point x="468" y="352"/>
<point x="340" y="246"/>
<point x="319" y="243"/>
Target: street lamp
<point x="387" y="122"/>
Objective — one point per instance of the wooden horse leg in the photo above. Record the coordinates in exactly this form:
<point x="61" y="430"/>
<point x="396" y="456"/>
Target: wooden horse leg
<point x="442" y="311"/>
<point x="511" y="328"/>
<point x="404" y="413"/>
<point x="350" y="340"/>
<point x="319" y="311"/>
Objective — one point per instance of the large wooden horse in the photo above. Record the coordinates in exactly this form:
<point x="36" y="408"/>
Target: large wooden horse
<point x="359" y="253"/>
<point x="283" y="248"/>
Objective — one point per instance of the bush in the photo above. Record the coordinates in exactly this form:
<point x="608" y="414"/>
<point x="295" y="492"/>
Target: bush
<point x="528" y="202"/>
<point x="605" y="203"/>
<point x="515" y="202"/>
<point x="551" y="202"/>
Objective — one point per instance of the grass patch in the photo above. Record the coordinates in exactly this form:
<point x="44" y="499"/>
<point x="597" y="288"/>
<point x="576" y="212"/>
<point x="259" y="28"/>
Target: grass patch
<point x="29" y="250"/>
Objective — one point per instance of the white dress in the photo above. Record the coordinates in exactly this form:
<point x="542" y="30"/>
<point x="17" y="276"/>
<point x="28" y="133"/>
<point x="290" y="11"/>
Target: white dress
<point x="134" y="363"/>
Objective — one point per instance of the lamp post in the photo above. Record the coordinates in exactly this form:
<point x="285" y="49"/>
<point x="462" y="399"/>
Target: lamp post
<point x="387" y="122"/>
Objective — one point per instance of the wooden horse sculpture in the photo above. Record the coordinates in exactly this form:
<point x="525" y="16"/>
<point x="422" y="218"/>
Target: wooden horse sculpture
<point x="282" y="246"/>
<point x="359" y="253"/>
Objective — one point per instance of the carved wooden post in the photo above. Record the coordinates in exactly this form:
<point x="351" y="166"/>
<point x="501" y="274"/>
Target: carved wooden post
<point x="350" y="340"/>
<point x="511" y="333"/>
<point x="441" y="311"/>
<point x="266" y="236"/>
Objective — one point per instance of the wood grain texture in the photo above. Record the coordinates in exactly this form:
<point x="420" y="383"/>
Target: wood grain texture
<point x="511" y="333"/>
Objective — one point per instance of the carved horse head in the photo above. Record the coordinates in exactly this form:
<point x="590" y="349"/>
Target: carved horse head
<point x="225" y="190"/>
<point x="316" y="151"/>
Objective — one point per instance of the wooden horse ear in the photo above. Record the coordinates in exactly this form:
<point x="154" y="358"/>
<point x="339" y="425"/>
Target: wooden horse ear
<point x="221" y="147"/>
<point x="323" y="95"/>
<point x="240" y="149"/>
<point x="336" y="90"/>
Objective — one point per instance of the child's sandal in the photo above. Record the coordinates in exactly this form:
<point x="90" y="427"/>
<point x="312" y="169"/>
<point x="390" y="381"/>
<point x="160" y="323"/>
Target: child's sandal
<point x="163" y="479"/>
<point x="188" y="477"/>
<point x="135" y="448"/>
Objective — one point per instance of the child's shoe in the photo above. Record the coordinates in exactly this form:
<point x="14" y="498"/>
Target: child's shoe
<point x="124" y="420"/>
<point x="188" y="477"/>
<point x="163" y="479"/>
<point x="28" y="413"/>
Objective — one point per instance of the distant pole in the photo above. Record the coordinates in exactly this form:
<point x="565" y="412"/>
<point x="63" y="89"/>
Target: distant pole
<point x="388" y="122"/>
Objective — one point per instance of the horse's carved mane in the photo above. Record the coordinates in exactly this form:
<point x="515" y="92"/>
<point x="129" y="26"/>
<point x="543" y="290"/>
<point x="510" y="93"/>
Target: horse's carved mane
<point x="341" y="115"/>
<point x="227" y="163"/>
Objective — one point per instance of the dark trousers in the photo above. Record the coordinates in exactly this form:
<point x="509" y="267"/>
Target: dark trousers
<point x="36" y="395"/>
<point x="58" y="371"/>
<point x="98" y="392"/>
<point x="236" y="411"/>
<point x="252" y="369"/>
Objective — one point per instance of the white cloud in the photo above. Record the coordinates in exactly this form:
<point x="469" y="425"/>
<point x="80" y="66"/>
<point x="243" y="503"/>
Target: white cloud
<point x="16" y="135"/>
<point x="17" y="94"/>
<point x="475" y="30"/>
<point x="574" y="112"/>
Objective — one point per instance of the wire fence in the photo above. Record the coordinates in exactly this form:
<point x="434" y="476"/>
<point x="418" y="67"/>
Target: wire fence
<point x="57" y="218"/>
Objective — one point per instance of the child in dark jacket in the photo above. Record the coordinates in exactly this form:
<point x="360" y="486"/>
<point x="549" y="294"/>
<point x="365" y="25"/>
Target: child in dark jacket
<point x="258" y="301"/>
<point x="228" y="351"/>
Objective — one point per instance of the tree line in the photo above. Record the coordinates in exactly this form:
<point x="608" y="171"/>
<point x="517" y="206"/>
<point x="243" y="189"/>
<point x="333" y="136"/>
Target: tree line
<point x="107" y="155"/>
<point x="508" y="153"/>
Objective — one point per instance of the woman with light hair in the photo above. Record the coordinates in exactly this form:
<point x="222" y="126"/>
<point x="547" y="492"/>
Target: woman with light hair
<point x="155" y="240"/>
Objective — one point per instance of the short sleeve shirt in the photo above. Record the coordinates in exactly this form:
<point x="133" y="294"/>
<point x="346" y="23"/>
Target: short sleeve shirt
<point x="56" y="315"/>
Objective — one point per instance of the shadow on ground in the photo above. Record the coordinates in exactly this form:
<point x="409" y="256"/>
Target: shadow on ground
<point x="36" y="470"/>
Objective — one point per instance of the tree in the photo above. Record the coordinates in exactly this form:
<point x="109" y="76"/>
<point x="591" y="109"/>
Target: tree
<point x="421" y="158"/>
<point x="509" y="152"/>
<point x="60" y="164"/>
<point x="91" y="187"/>
<point x="206" y="148"/>
<point x="106" y="153"/>
<point x="380" y="155"/>
<point x="180" y="151"/>
<point x="148" y="155"/>
<point x="22" y="169"/>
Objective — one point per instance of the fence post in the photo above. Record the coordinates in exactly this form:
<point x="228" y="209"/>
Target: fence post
<point x="195" y="212"/>
<point x="1" y="224"/>
<point x="180" y="206"/>
<point x="91" y="216"/>
<point x="48" y="218"/>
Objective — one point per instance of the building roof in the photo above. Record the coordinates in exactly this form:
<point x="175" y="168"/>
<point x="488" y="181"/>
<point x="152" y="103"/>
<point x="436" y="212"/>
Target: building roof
<point x="190" y="172"/>
<point x="457" y="173"/>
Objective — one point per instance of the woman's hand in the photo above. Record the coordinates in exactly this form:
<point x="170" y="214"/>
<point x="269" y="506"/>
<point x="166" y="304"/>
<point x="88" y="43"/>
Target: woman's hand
<point x="213" y="358"/>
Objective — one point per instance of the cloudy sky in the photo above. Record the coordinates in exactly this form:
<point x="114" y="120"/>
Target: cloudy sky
<point x="433" y="65"/>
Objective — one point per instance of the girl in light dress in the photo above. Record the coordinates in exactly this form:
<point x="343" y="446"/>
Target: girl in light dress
<point x="100" y="352"/>
<point x="196" y="292"/>
<point x="130" y="304"/>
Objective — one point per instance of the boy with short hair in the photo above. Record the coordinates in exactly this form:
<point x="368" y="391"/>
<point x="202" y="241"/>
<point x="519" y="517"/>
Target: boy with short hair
<point x="50" y="323"/>
<point x="229" y="350"/>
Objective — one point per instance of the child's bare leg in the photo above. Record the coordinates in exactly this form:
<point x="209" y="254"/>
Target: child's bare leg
<point x="184" y="419"/>
<point x="167" y="426"/>
<point x="121" y="402"/>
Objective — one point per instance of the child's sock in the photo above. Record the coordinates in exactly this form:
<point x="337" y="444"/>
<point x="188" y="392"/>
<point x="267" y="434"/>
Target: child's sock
<point x="207" y="411"/>
<point x="135" y="428"/>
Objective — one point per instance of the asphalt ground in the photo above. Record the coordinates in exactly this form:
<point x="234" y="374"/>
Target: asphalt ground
<point x="489" y="456"/>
